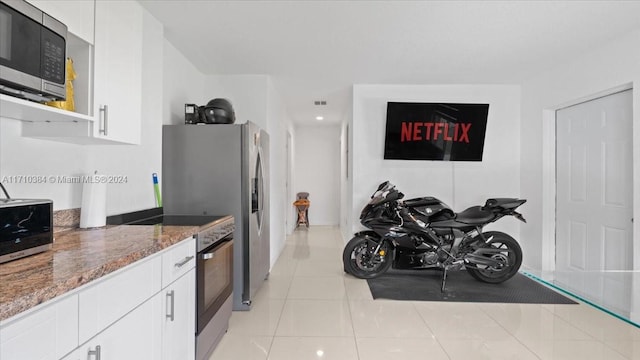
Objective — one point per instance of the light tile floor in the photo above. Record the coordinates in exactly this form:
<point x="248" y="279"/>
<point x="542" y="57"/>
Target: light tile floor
<point x="310" y="309"/>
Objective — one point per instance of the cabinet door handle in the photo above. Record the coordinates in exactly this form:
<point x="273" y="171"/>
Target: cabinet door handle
<point x="95" y="352"/>
<point x="104" y="110"/>
<point x="170" y="296"/>
<point x="184" y="261"/>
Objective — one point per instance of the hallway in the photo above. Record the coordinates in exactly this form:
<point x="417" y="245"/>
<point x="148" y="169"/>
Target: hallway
<point x="310" y="309"/>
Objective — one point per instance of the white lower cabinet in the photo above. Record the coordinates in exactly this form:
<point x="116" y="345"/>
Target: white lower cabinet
<point x="125" y="316"/>
<point x="109" y="300"/>
<point x="178" y="328"/>
<point x="136" y="336"/>
<point x="54" y="328"/>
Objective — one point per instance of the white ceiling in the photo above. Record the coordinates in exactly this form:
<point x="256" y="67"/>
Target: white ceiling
<point x="317" y="49"/>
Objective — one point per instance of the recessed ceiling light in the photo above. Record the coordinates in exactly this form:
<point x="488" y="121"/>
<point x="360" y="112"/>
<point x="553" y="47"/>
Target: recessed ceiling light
<point x="319" y="117"/>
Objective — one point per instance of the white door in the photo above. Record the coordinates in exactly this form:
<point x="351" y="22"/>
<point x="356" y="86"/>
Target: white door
<point x="117" y="69"/>
<point x="289" y="214"/>
<point x="179" y="318"/>
<point x="594" y="195"/>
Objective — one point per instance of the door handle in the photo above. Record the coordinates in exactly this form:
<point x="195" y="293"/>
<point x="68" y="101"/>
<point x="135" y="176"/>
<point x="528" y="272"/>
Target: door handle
<point x="104" y="110"/>
<point x="254" y="195"/>
<point x="183" y="262"/>
<point x="171" y="295"/>
<point x="95" y="352"/>
<point x="207" y="256"/>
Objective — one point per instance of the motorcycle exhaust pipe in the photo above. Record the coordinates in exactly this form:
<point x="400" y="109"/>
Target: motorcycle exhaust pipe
<point x="482" y="260"/>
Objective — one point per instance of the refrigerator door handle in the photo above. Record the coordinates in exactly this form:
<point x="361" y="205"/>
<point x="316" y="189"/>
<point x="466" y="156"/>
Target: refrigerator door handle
<point x="254" y="195"/>
<point x="260" y="185"/>
<point x="259" y="189"/>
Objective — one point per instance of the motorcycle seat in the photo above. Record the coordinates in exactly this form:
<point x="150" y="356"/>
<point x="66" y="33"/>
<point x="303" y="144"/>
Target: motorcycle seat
<point x="475" y="215"/>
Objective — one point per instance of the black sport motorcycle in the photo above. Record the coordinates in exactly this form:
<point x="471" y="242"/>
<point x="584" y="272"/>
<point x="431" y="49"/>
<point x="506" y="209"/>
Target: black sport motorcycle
<point x="424" y="233"/>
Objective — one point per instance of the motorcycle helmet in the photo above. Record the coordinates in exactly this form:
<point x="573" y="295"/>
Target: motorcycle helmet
<point x="219" y="111"/>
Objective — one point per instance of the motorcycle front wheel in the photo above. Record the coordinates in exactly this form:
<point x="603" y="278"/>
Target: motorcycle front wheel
<point x="505" y="250"/>
<point x="361" y="260"/>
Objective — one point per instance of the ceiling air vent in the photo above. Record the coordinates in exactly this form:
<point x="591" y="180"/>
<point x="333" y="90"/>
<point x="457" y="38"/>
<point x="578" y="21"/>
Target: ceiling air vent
<point x="320" y="102"/>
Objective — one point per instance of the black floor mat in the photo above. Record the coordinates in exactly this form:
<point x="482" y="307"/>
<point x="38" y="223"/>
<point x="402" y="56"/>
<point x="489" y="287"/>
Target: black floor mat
<point x="425" y="286"/>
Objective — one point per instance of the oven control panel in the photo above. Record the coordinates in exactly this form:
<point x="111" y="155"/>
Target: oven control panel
<point x="215" y="233"/>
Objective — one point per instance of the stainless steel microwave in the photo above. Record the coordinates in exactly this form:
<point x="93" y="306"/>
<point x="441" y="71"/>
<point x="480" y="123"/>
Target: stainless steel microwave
<point x="26" y="227"/>
<point x="32" y="52"/>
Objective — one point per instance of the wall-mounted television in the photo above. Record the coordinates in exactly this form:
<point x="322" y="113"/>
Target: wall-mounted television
<point x="435" y="131"/>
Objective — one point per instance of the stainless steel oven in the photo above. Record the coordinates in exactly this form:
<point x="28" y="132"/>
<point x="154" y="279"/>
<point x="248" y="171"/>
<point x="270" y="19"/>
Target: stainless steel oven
<point x="214" y="273"/>
<point x="214" y="286"/>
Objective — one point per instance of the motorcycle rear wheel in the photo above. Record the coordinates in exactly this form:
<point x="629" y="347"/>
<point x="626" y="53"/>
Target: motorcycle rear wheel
<point x="360" y="261"/>
<point x="510" y="256"/>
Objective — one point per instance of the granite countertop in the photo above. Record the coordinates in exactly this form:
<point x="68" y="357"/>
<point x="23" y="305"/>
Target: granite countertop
<point x="79" y="256"/>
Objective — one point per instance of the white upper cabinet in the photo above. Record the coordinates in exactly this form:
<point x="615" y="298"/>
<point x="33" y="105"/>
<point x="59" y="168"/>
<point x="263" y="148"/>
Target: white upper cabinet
<point x="76" y="14"/>
<point x="105" y="43"/>
<point x="118" y="71"/>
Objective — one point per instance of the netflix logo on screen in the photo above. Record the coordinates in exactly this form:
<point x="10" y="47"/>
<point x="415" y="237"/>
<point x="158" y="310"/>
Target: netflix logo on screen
<point x="435" y="131"/>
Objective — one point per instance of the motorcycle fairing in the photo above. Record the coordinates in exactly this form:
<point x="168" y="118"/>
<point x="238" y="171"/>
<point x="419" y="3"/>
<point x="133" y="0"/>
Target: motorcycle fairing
<point x="368" y="233"/>
<point x="430" y="207"/>
<point x="427" y="200"/>
<point x="506" y="206"/>
<point x="504" y="203"/>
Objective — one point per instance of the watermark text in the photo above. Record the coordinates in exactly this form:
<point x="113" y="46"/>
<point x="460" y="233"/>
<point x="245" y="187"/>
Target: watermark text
<point x="64" y="179"/>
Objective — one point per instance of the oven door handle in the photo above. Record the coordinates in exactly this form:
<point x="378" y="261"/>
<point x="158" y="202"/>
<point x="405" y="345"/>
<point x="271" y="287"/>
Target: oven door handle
<point x="214" y="249"/>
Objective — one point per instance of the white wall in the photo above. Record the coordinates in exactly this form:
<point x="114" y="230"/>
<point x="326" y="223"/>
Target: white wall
<point x="291" y="212"/>
<point x="344" y="179"/>
<point x="183" y="84"/>
<point x="346" y="173"/>
<point x="280" y="202"/>
<point x="317" y="171"/>
<point x="26" y="156"/>
<point x="608" y="67"/>
<point x="247" y="93"/>
<point x="459" y="184"/>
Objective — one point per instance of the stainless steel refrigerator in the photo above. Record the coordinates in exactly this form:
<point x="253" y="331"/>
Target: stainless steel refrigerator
<point x="220" y="169"/>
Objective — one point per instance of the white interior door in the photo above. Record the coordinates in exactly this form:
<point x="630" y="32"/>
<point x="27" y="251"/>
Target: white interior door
<point x="289" y="214"/>
<point x="594" y="225"/>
